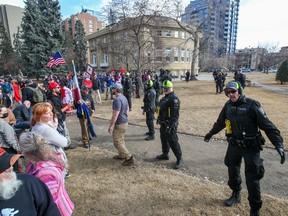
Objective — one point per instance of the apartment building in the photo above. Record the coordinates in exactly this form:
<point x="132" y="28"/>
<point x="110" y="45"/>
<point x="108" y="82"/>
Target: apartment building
<point x="218" y="20"/>
<point x="11" y="17"/>
<point x="161" y="43"/>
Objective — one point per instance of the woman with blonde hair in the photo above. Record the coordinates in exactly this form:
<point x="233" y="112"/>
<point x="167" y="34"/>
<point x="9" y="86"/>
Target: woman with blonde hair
<point x="45" y="165"/>
<point x="42" y="116"/>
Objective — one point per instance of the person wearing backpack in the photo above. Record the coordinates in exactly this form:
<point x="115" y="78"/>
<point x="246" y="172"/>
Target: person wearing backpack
<point x="7" y="91"/>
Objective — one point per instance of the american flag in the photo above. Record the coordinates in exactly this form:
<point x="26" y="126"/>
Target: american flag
<point x="56" y="60"/>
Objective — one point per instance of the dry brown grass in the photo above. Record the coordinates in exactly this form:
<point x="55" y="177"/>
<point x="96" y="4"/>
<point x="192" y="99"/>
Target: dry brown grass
<point x="101" y="186"/>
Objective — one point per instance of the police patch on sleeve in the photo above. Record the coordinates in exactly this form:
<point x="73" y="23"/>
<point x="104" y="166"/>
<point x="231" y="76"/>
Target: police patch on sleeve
<point x="262" y="111"/>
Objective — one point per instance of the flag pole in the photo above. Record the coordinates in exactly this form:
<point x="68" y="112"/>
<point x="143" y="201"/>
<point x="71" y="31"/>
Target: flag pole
<point x="83" y="114"/>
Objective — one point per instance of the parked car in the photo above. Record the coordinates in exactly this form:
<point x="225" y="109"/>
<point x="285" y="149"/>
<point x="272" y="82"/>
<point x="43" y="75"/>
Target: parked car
<point x="272" y="70"/>
<point x="246" y="70"/>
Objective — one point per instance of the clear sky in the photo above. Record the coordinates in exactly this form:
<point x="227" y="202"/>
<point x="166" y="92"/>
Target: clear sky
<point x="261" y="22"/>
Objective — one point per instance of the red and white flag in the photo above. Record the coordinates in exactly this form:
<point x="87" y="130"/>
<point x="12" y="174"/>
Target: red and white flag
<point x="89" y="69"/>
<point x="75" y="88"/>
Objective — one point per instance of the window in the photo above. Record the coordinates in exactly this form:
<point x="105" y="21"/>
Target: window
<point x="176" y="54"/>
<point x="176" y="34"/>
<point x="105" y="58"/>
<point x="168" y="33"/>
<point x="149" y="56"/>
<point x="183" y="55"/>
<point x="104" y="40"/>
<point x="159" y="33"/>
<point x="159" y="55"/>
<point x="183" y="35"/>
<point x="187" y="55"/>
<point x="168" y="54"/>
<point x="94" y="59"/>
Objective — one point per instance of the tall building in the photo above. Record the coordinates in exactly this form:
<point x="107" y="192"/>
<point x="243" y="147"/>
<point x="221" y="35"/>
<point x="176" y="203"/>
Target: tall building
<point x="11" y="17"/>
<point x="218" y="20"/>
<point x="90" y="23"/>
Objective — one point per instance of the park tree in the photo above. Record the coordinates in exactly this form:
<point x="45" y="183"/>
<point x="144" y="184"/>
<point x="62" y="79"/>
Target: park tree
<point x="282" y="73"/>
<point x="68" y="45"/>
<point x="41" y="34"/>
<point x="80" y="46"/>
<point x="269" y="56"/>
<point x="6" y="51"/>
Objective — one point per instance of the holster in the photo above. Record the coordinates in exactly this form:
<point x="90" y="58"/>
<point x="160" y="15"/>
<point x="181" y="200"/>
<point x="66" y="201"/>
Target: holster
<point x="248" y="142"/>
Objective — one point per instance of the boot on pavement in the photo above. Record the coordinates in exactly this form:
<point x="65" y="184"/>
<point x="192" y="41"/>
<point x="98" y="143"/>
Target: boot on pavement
<point x="179" y="163"/>
<point x="254" y="212"/>
<point x="162" y="157"/>
<point x="150" y="137"/>
<point x="235" y="198"/>
<point x="128" y="162"/>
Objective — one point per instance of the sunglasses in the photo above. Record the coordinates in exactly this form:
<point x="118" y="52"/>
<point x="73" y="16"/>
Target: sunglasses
<point x="233" y="91"/>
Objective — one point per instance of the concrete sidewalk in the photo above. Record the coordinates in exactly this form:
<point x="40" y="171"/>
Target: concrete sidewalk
<point x="201" y="159"/>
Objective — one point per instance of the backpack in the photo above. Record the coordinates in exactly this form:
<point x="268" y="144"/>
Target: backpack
<point x="6" y="88"/>
<point x="37" y="94"/>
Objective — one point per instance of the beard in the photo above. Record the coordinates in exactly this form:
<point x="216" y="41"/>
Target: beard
<point x="9" y="185"/>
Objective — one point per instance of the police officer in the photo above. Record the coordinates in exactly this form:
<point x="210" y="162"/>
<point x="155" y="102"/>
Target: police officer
<point x="240" y="77"/>
<point x="168" y="115"/>
<point x="243" y="118"/>
<point x="149" y="108"/>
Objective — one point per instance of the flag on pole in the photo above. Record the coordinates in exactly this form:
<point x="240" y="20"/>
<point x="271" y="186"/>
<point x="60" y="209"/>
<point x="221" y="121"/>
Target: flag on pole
<point x="89" y="69"/>
<point x="75" y="85"/>
<point x="56" y="60"/>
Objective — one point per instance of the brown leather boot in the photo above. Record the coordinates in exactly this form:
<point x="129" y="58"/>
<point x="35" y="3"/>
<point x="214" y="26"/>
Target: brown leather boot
<point x="128" y="162"/>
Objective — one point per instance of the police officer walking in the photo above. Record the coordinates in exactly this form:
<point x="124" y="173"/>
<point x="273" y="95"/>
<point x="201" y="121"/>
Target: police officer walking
<point x="243" y="118"/>
<point x="168" y="116"/>
<point x="149" y="108"/>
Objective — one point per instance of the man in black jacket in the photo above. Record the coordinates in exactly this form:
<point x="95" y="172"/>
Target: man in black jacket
<point x="243" y="118"/>
<point x="22" y="115"/>
<point x="96" y="85"/>
<point x="57" y="103"/>
<point x="127" y="89"/>
<point x="149" y="108"/>
<point x="22" y="194"/>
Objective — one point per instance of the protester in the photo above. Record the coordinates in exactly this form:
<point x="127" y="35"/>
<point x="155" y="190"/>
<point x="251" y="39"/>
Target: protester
<point x="127" y="89"/>
<point x="84" y="117"/>
<point x="243" y="118"/>
<point x="118" y="125"/>
<point x="22" y="116"/>
<point x="22" y="194"/>
<point x="45" y="165"/>
<point x="42" y="115"/>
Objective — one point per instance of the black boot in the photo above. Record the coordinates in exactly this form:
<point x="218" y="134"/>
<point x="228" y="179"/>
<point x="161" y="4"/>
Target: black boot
<point x="150" y="137"/>
<point x="235" y="198"/>
<point x="178" y="163"/>
<point x="254" y="212"/>
<point x="162" y="157"/>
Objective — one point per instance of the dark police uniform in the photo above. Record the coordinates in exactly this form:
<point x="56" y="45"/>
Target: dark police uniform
<point x="242" y="121"/>
<point x="169" y="107"/>
<point x="127" y="91"/>
<point x="149" y="109"/>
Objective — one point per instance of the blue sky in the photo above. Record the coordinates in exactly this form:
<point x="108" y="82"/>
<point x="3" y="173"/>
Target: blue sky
<point x="261" y="22"/>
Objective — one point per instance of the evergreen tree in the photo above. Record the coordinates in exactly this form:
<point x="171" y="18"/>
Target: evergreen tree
<point x="80" y="46"/>
<point x="6" y="50"/>
<point x="282" y="73"/>
<point x="69" y="48"/>
<point x="42" y="34"/>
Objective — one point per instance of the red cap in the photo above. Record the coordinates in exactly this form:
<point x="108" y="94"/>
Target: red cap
<point x="52" y="85"/>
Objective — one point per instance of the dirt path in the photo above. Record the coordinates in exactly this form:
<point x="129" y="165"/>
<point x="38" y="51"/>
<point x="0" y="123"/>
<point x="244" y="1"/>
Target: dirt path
<point x="201" y="159"/>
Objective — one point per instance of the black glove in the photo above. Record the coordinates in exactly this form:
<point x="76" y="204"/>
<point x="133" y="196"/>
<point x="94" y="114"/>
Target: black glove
<point x="281" y="152"/>
<point x="207" y="137"/>
<point x="168" y="130"/>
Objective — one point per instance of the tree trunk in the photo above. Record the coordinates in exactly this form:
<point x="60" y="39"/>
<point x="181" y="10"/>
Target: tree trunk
<point x="195" y="55"/>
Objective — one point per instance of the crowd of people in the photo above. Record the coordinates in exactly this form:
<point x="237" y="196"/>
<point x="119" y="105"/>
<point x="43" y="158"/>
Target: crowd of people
<point x="37" y="113"/>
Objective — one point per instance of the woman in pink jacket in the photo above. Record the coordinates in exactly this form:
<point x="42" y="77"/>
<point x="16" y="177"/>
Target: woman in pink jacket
<point x="47" y="166"/>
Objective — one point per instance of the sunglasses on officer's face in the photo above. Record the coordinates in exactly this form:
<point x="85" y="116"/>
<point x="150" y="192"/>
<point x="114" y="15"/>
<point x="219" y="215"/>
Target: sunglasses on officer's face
<point x="233" y="91"/>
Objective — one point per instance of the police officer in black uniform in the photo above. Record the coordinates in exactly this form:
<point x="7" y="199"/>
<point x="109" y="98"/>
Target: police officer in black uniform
<point x="240" y="77"/>
<point x="149" y="108"/>
<point x="243" y="118"/>
<point x="168" y="115"/>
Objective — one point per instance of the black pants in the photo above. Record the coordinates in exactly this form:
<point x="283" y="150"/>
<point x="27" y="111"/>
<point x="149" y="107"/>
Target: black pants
<point x="170" y="141"/>
<point x="219" y="87"/>
<point x="128" y="96"/>
<point x="254" y="171"/>
<point x="150" y="122"/>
